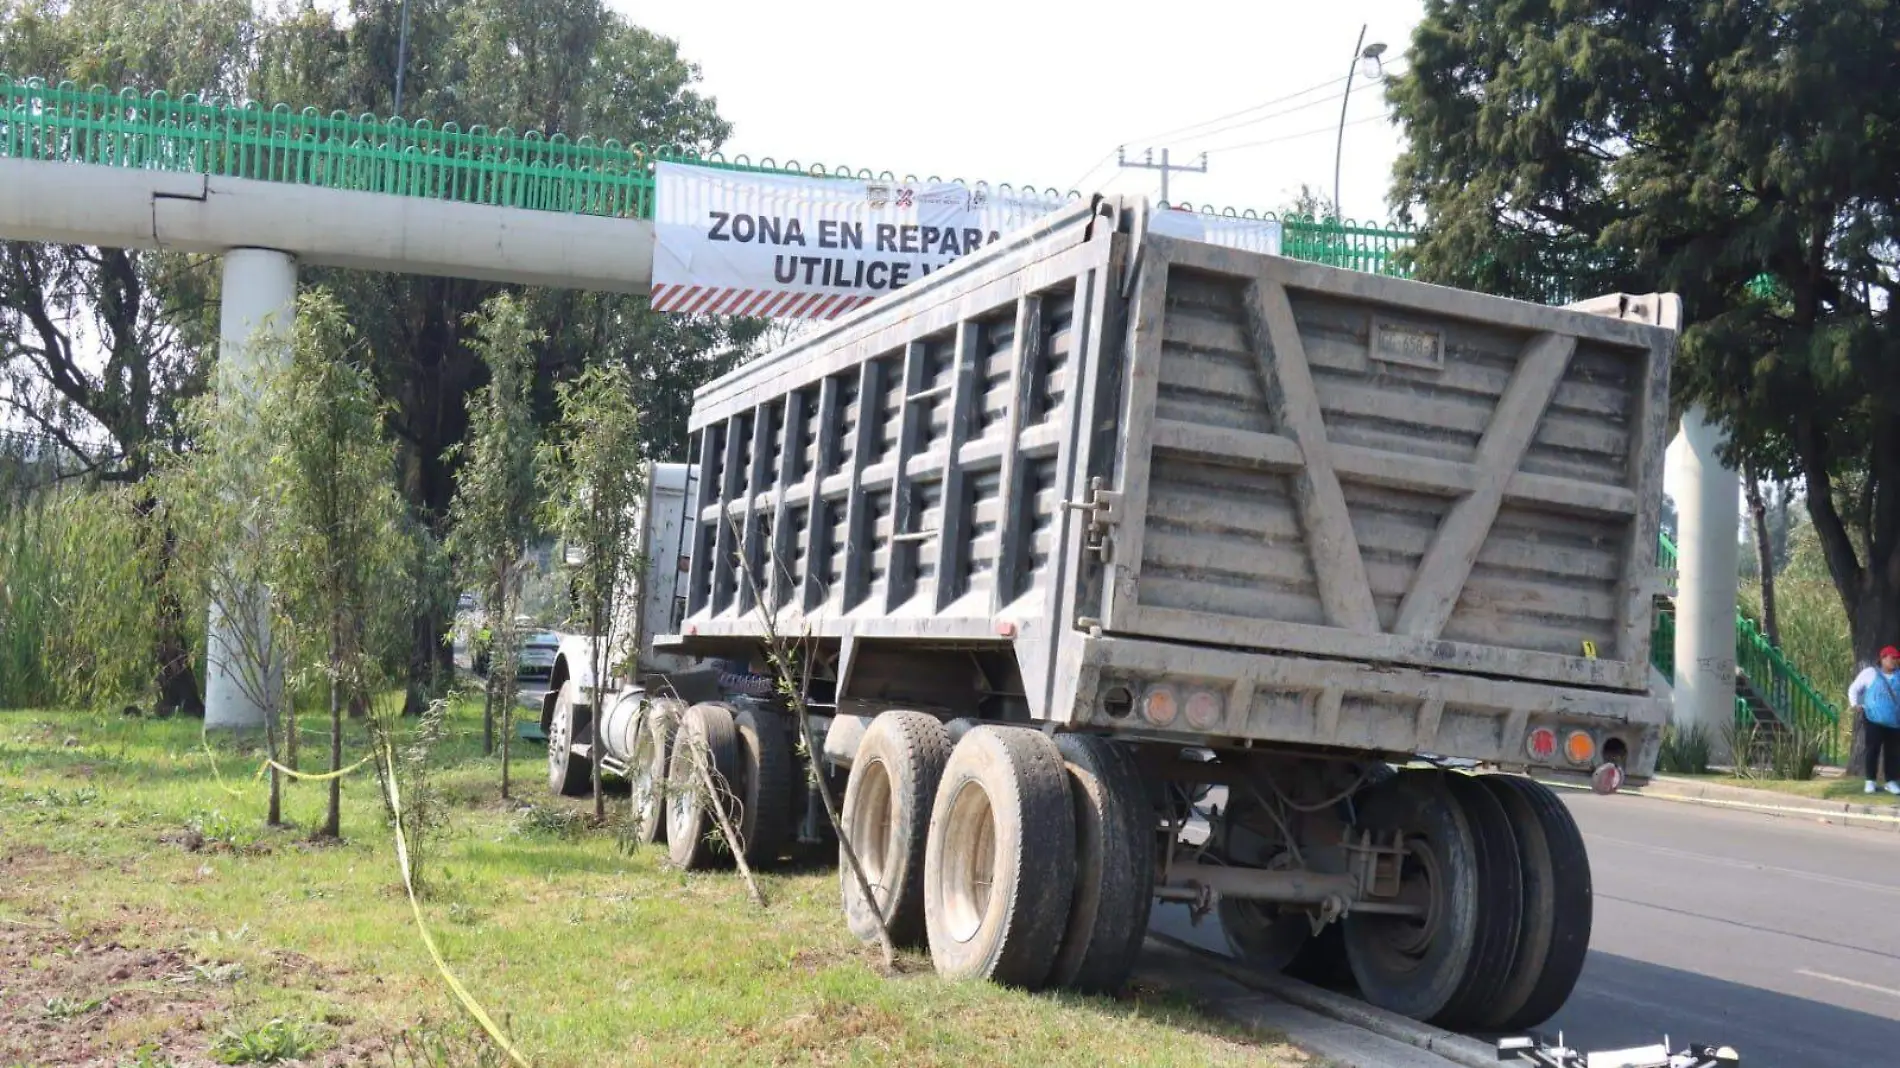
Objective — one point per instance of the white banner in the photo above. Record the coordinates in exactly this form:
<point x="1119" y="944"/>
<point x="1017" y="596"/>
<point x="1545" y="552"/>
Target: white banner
<point x="800" y="247"/>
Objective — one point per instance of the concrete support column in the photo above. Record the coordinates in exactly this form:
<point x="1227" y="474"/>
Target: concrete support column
<point x="1708" y="511"/>
<point x="259" y="303"/>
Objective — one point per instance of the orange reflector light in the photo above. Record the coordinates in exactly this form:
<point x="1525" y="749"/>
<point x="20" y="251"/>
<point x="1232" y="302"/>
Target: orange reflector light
<point x="1203" y="710"/>
<point x="1542" y="744"/>
<point x="1160" y="707"/>
<point x="1580" y="747"/>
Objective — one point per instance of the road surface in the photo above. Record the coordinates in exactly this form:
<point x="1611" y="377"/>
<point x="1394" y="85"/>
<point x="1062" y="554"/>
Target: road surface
<point x="1776" y="936"/>
<point x="1779" y="937"/>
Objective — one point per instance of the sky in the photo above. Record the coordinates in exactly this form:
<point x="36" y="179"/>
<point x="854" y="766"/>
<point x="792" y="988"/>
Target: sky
<point x="1042" y="93"/>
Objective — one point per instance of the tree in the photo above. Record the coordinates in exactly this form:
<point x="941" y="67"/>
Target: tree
<point x="596" y="474"/>
<point x="493" y="512"/>
<point x="227" y="540"/>
<point x="101" y="345"/>
<point x="563" y="67"/>
<point x="346" y="552"/>
<point x="1742" y="155"/>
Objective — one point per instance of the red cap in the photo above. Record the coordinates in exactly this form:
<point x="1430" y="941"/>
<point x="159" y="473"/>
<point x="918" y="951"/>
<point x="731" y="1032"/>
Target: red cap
<point x="1890" y="651"/>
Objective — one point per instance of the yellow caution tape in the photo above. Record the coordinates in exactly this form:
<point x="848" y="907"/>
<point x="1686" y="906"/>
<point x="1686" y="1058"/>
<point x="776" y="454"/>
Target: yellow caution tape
<point x="268" y="764"/>
<point x="309" y="776"/>
<point x="204" y="739"/>
<point x="461" y="992"/>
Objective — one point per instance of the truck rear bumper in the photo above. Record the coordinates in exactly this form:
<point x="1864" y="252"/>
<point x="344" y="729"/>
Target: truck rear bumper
<point x="1217" y="697"/>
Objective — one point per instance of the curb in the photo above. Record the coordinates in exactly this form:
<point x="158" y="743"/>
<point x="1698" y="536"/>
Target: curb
<point x="1715" y="795"/>
<point x="1347" y="1010"/>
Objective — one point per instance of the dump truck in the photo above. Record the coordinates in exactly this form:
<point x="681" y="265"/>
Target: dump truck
<point x="1098" y="533"/>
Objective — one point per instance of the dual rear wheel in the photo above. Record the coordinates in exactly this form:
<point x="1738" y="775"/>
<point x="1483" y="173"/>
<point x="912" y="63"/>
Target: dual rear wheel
<point x="1498" y="873"/>
<point x="1013" y="856"/>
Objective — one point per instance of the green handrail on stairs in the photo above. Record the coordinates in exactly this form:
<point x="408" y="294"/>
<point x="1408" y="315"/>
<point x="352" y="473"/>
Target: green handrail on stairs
<point x="1776" y="680"/>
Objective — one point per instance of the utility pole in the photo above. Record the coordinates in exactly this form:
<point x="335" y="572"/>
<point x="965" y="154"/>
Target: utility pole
<point x="402" y="54"/>
<point x="1148" y="163"/>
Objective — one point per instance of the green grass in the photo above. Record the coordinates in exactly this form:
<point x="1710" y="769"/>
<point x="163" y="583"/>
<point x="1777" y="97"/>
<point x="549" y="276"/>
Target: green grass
<point x="1847" y="788"/>
<point x="129" y="875"/>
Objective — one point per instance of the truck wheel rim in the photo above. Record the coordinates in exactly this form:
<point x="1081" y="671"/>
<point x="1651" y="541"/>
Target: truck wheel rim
<point x="640" y="768"/>
<point x="557" y="738"/>
<point x="682" y="788"/>
<point x="969" y="861"/>
<point x="871" y="826"/>
<point x="1411" y="937"/>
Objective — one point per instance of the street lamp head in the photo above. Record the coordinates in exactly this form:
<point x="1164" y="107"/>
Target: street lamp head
<point x="1369" y="63"/>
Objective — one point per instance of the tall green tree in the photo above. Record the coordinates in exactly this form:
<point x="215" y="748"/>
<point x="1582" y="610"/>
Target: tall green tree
<point x="496" y="497"/>
<point x="596" y="474"/>
<point x="564" y="67"/>
<point x="346" y="555"/>
<point x="1744" y="154"/>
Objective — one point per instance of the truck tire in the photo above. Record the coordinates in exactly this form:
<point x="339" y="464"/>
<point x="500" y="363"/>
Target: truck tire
<point x="1555" y="935"/>
<point x="765" y="759"/>
<point x="1260" y="934"/>
<point x="1500" y="904"/>
<point x="692" y="830"/>
<point x="887" y="804"/>
<point x="569" y="774"/>
<point x="999" y="868"/>
<point x="1402" y="964"/>
<point x="1322" y="960"/>
<point x="647" y="768"/>
<point x="1114" y="866"/>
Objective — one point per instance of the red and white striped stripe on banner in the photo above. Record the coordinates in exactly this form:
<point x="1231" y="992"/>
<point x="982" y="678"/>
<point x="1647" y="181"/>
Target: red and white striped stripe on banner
<point x="753" y="303"/>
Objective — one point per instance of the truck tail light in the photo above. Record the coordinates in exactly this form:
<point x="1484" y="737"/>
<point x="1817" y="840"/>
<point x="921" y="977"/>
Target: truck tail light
<point x="1579" y="748"/>
<point x="1542" y="744"/>
<point x="1203" y="710"/>
<point x="1160" y="707"/>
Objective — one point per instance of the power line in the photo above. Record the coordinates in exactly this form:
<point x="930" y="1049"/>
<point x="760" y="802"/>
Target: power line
<point x="1282" y="113"/>
<point x="1232" y="114"/>
<point x="1329" y="128"/>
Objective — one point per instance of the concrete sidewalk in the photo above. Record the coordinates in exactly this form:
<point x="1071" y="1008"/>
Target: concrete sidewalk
<point x="1342" y="1030"/>
<point x="1884" y="817"/>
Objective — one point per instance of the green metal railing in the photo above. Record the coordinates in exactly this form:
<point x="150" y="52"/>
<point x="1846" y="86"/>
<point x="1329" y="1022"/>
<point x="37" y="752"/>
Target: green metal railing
<point x="500" y="168"/>
<point x="1781" y="685"/>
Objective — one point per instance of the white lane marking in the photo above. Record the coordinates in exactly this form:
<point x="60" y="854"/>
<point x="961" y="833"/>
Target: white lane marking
<point x="1750" y="865"/>
<point x="1887" y="990"/>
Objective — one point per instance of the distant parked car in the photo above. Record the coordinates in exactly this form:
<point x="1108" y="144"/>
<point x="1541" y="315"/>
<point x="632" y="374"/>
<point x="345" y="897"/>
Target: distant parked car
<point x="538" y="648"/>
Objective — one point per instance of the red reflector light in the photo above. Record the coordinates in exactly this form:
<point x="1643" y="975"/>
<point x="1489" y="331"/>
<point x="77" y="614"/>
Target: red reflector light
<point x="1542" y="744"/>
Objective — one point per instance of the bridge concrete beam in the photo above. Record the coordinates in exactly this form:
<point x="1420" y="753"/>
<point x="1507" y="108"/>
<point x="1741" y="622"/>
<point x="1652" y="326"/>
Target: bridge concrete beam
<point x="120" y="208"/>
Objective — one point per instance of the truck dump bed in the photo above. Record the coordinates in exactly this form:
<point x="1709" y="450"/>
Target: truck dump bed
<point x="1353" y="508"/>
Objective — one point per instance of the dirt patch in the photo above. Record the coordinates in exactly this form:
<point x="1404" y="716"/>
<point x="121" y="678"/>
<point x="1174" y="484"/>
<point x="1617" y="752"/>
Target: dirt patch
<point x="68" y="1000"/>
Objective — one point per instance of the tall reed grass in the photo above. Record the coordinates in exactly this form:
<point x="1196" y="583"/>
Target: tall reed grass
<point x="79" y="607"/>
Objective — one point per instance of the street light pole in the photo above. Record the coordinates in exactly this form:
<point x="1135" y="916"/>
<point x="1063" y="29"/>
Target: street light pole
<point x="1360" y="50"/>
<point x="402" y="54"/>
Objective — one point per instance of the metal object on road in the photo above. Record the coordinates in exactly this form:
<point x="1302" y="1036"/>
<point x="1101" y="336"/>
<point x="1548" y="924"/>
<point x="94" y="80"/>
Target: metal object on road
<point x="1531" y="1050"/>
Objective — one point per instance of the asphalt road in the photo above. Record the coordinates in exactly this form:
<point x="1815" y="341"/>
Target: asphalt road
<point x="1776" y="936"/>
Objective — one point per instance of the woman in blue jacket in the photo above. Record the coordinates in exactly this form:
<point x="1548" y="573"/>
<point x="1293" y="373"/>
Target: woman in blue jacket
<point x="1875" y="694"/>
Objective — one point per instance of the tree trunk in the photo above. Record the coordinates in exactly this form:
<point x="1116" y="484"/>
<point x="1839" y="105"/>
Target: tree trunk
<point x="1764" y="551"/>
<point x="333" y="816"/>
<point x="176" y="676"/>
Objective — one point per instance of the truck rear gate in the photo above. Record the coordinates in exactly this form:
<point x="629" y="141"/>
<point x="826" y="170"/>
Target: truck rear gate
<point x="1092" y="433"/>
